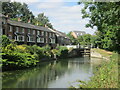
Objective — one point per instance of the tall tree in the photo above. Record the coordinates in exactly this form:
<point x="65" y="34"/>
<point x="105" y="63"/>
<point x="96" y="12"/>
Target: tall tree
<point x="42" y="20"/>
<point x="104" y="15"/>
<point x="17" y="10"/>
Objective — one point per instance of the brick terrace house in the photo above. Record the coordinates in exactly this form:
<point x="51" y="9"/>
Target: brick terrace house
<point x="62" y="38"/>
<point x="24" y="33"/>
<point x="76" y="34"/>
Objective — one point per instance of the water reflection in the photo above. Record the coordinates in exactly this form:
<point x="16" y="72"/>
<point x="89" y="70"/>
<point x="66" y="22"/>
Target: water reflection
<point x="56" y="74"/>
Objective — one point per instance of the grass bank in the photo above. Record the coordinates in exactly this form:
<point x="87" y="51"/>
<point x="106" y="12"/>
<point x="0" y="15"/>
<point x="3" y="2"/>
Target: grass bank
<point x="106" y="75"/>
<point x="104" y="53"/>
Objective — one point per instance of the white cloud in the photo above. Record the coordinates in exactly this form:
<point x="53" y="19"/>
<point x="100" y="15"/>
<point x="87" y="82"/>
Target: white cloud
<point x="63" y="17"/>
<point x="25" y="1"/>
<point x="49" y="5"/>
<point x="32" y="1"/>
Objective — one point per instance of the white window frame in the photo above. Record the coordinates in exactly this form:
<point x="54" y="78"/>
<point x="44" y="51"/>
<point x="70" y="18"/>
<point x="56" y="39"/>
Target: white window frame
<point x="46" y="40"/>
<point x="38" y="32"/>
<point x="42" y="33"/>
<point x="42" y="40"/>
<point x="38" y="39"/>
<point x="23" y="30"/>
<point x="11" y="28"/>
<point x="28" y="31"/>
<point x="17" y="29"/>
<point x="30" y="39"/>
<point x="53" y="35"/>
<point x="49" y="34"/>
<point x="16" y="39"/>
<point x="46" y="33"/>
<point x="33" y="31"/>
<point x="53" y="40"/>
<point x="23" y="38"/>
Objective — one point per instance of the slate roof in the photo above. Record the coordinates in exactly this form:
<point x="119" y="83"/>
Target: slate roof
<point x="78" y="33"/>
<point x="59" y="33"/>
<point x="27" y="25"/>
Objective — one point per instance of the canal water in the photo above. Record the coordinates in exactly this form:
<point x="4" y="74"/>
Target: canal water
<point x="55" y="74"/>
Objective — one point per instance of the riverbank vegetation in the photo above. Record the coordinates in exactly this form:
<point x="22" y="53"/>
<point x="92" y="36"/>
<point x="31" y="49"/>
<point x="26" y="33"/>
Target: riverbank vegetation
<point x="22" y="56"/>
<point x="106" y="75"/>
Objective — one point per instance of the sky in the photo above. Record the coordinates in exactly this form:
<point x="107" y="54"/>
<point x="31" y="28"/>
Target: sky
<point x="65" y="15"/>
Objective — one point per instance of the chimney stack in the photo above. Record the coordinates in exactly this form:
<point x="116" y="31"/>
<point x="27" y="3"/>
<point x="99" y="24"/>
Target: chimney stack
<point x="28" y="20"/>
<point x="19" y="19"/>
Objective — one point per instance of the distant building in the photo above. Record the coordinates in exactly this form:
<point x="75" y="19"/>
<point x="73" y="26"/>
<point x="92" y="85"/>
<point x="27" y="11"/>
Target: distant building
<point x="76" y="34"/>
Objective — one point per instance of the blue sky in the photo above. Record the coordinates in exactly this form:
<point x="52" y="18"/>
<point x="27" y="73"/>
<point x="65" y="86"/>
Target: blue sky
<point x="65" y="15"/>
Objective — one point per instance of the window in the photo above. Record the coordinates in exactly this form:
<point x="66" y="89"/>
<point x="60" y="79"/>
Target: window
<point x="42" y="33"/>
<point x="53" y="35"/>
<point x="17" y="29"/>
<point x="33" y="31"/>
<point x="49" y="34"/>
<point x="10" y="28"/>
<point x="15" y="38"/>
<point x="52" y="40"/>
<point x="46" y="34"/>
<point x="42" y="40"/>
<point x="22" y="30"/>
<point x="46" y="40"/>
<point x="10" y="36"/>
<point x="28" y="31"/>
<point x="30" y="39"/>
<point x="20" y="38"/>
<point x="38" y="39"/>
<point x="38" y="32"/>
<point x="3" y="21"/>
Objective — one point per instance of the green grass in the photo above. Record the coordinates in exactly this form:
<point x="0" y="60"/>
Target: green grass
<point x="103" y="52"/>
<point x="106" y="76"/>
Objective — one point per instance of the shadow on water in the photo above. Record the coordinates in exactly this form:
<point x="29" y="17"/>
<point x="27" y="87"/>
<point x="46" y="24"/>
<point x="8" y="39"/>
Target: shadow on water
<point x="56" y="74"/>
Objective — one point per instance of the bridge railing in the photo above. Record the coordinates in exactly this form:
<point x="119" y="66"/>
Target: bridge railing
<point x="78" y="46"/>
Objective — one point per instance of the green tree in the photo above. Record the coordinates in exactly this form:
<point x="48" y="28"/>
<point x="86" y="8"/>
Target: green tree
<point x="5" y="41"/>
<point x="42" y="20"/>
<point x="17" y="10"/>
<point x="104" y="15"/>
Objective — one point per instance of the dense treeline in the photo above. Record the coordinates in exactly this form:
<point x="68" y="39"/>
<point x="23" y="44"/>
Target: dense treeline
<point x="105" y="16"/>
<point x="16" y="10"/>
<point x="22" y="56"/>
<point x="85" y="40"/>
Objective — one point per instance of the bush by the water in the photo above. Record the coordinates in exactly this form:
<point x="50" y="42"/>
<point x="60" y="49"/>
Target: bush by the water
<point x="14" y="55"/>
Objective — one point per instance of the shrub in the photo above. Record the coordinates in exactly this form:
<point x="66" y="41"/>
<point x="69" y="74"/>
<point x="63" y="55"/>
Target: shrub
<point x="47" y="51"/>
<point x="18" y="59"/>
<point x="63" y="51"/>
<point x="5" y="41"/>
